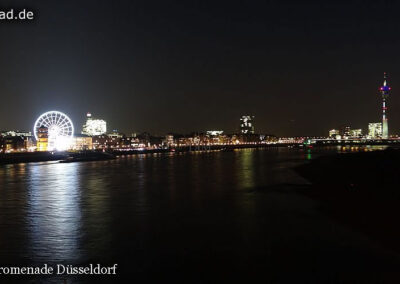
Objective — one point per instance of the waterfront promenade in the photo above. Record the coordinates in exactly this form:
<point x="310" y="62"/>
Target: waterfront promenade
<point x="26" y="157"/>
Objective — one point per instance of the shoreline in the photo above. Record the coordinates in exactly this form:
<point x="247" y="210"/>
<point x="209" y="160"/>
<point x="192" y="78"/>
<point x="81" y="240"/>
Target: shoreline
<point x="31" y="157"/>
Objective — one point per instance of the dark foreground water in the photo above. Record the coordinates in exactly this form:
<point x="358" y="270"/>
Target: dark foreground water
<point x="192" y="217"/>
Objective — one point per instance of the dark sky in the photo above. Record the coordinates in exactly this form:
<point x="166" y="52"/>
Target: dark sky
<point x="301" y="67"/>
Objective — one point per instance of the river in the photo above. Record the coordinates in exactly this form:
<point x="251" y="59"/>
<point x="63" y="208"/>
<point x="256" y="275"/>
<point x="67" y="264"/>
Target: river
<point x="197" y="217"/>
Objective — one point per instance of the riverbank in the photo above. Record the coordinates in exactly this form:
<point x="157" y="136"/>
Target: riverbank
<point x="29" y="157"/>
<point x="359" y="190"/>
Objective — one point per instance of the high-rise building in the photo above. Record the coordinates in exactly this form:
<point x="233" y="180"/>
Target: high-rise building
<point x="345" y="131"/>
<point x="247" y="124"/>
<point x="384" y="90"/>
<point x="375" y="130"/>
<point x="94" y="127"/>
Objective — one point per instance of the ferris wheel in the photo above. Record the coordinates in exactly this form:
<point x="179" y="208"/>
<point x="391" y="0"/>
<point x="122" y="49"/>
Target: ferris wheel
<point x="60" y="129"/>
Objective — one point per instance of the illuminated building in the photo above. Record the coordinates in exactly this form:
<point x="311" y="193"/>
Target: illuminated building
<point x="268" y="138"/>
<point x="384" y="90"/>
<point x="247" y="124"/>
<point x="15" y="140"/>
<point x="100" y="141"/>
<point x="356" y="133"/>
<point x="345" y="131"/>
<point x="115" y="134"/>
<point x="214" y="132"/>
<point x="110" y="141"/>
<point x="130" y="142"/>
<point x="292" y="140"/>
<point x="114" y="141"/>
<point x="82" y="142"/>
<point x="375" y="130"/>
<point x="42" y="139"/>
<point x="94" y="127"/>
<point x="169" y="140"/>
<point x="16" y="133"/>
<point x="333" y="133"/>
<point x="215" y="137"/>
<point x="14" y="143"/>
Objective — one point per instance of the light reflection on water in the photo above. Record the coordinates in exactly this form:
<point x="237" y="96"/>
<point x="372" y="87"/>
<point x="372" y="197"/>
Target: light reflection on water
<point x="148" y="212"/>
<point x="54" y="213"/>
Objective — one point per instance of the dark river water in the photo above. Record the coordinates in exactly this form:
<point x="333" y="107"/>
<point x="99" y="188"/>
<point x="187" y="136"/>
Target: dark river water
<point x="192" y="217"/>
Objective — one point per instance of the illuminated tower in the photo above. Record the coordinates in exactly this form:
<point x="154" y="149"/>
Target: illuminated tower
<point x="43" y="138"/>
<point x="385" y="89"/>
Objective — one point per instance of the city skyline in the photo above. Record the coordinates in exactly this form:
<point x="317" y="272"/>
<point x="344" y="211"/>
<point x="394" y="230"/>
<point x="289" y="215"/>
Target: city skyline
<point x="98" y="127"/>
<point x="299" y="68"/>
<point x="231" y="129"/>
<point x="95" y="126"/>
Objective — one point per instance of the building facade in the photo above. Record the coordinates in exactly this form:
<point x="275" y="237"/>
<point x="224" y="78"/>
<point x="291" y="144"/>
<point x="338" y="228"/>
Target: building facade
<point x="94" y="127"/>
<point x="333" y="133"/>
<point x="356" y="133"/>
<point x="42" y="144"/>
<point x="14" y="144"/>
<point x="247" y="124"/>
<point x="375" y="130"/>
<point x="82" y="142"/>
<point x="16" y="133"/>
<point x="16" y="141"/>
<point x="345" y="131"/>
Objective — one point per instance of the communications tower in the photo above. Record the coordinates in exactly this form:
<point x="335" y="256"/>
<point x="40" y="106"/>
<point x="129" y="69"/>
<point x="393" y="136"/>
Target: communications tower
<point x="385" y="90"/>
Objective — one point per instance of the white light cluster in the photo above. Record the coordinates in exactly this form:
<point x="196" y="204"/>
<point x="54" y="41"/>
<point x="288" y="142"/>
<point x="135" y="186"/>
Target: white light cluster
<point x="375" y="130"/>
<point x="215" y="132"/>
<point x="60" y="130"/>
<point x="94" y="127"/>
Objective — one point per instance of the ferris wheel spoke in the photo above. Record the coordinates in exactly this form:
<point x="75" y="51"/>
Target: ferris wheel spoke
<point x="55" y="119"/>
<point x="44" y="122"/>
<point x="61" y="122"/>
<point x="63" y="126"/>
<point x="60" y="118"/>
<point x="64" y="121"/>
<point x="48" y="120"/>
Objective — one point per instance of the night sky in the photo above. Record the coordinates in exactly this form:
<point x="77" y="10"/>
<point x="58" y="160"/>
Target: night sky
<point x="301" y="67"/>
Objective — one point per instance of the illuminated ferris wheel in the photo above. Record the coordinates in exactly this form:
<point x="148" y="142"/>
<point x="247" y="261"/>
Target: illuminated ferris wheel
<point x="60" y="129"/>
